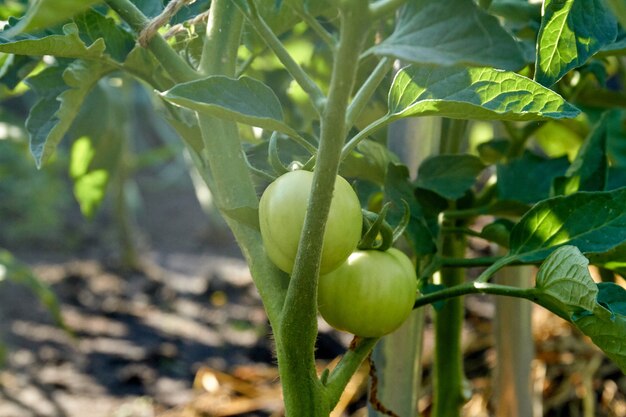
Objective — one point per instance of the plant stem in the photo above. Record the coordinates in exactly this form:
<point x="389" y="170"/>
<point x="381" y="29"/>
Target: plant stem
<point x="172" y="62"/>
<point x="347" y="366"/>
<point x="368" y="130"/>
<point x="298" y="327"/>
<point x="367" y="90"/>
<point x="448" y="376"/>
<point x="384" y="7"/>
<point x="265" y="32"/>
<point x="317" y="27"/>
<point x="473" y="288"/>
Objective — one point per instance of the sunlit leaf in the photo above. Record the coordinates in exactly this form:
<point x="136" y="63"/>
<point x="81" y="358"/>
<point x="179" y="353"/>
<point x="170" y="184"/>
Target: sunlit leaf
<point x="43" y="14"/>
<point x="449" y="33"/>
<point x="571" y="32"/>
<point x="68" y="45"/>
<point x="473" y="93"/>
<point x="592" y="221"/>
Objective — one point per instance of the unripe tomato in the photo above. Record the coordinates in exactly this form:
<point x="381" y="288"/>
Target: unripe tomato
<point x="281" y="217"/>
<point x="369" y="295"/>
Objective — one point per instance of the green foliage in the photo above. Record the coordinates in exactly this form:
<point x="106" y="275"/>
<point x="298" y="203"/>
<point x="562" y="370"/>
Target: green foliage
<point x="244" y="100"/>
<point x="450" y="33"/>
<point x="473" y="93"/>
<point x="310" y="75"/>
<point x="594" y="222"/>
<point x="569" y="37"/>
<point x="43" y="14"/>
<point x="450" y="176"/>
<point x="565" y="286"/>
<point x="528" y="178"/>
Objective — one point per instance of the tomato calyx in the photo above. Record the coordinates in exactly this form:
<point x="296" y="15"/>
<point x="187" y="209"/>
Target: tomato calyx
<point x="377" y="232"/>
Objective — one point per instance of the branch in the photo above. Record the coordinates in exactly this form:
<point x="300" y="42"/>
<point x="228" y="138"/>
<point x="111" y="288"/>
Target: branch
<point x="265" y="32"/>
<point x="347" y="366"/>
<point x="171" y="61"/>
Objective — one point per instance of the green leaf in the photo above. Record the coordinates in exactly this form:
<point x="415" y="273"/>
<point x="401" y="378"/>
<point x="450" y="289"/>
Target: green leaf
<point x="243" y="100"/>
<point x="450" y="176"/>
<point x="397" y="188"/>
<point x="450" y="32"/>
<point x="612" y="297"/>
<point x="473" y="93"/>
<point x="43" y="14"/>
<point x="571" y="32"/>
<point x="592" y="221"/>
<point x="528" y="178"/>
<point x="68" y="45"/>
<point x="607" y="332"/>
<point x="368" y="162"/>
<point x="590" y="169"/>
<point x="51" y="118"/>
<point x="564" y="284"/>
<point x="94" y="26"/>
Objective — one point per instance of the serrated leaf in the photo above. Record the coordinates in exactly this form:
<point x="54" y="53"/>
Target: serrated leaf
<point x="450" y="32"/>
<point x="607" y="332"/>
<point x="473" y="93"/>
<point x="51" y="118"/>
<point x="43" y="14"/>
<point x="592" y="221"/>
<point x="397" y="188"/>
<point x="243" y="100"/>
<point x="564" y="282"/>
<point x="529" y="177"/>
<point x="68" y="45"/>
<point x="93" y="26"/>
<point x="571" y="32"/>
<point x="450" y="176"/>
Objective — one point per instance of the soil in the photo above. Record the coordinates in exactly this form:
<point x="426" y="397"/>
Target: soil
<point x="186" y="335"/>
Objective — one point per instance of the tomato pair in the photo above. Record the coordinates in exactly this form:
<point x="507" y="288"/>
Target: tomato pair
<point x="367" y="293"/>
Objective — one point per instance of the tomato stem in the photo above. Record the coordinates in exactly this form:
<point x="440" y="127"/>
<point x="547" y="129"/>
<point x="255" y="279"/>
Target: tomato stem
<point x="271" y="40"/>
<point x="172" y="62"/>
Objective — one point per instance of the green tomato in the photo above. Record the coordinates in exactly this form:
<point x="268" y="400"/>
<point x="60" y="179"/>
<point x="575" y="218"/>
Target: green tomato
<point x="369" y="295"/>
<point x="281" y="216"/>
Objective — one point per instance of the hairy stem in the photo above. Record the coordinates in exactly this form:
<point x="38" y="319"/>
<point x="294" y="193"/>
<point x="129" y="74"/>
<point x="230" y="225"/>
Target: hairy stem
<point x="347" y="366"/>
<point x="172" y="62"/>
<point x="298" y="329"/>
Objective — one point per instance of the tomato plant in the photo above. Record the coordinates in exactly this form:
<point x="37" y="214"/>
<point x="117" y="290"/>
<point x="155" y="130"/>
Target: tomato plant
<point x="282" y="209"/>
<point x="230" y="85"/>
<point x="370" y="294"/>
